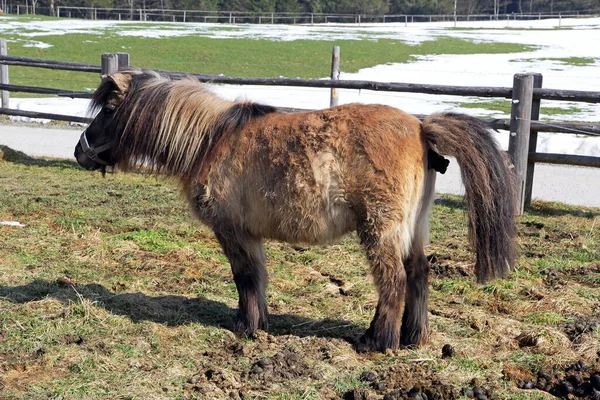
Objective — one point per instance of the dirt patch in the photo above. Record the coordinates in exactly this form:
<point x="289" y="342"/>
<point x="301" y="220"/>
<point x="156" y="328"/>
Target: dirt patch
<point x="73" y="339"/>
<point x="242" y="372"/>
<point x="447" y="267"/>
<point x="282" y="366"/>
<point x="576" y="381"/>
<point x="588" y="275"/>
<point x="417" y="381"/>
<point x="17" y="373"/>
<point x="244" y="368"/>
<point x="579" y="326"/>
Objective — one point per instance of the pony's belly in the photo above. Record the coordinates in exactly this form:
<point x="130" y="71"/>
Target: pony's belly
<point x="322" y="226"/>
<point x="304" y="217"/>
<point x="309" y="206"/>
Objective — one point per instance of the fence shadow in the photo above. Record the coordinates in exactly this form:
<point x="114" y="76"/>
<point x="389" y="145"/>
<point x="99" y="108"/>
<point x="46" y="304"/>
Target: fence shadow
<point x="18" y="157"/>
<point x="174" y="310"/>
<point x="450" y="201"/>
<point x="537" y="208"/>
<point x="545" y="209"/>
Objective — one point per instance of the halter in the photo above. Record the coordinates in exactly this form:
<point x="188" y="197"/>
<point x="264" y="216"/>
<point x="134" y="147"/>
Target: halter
<point x="92" y="152"/>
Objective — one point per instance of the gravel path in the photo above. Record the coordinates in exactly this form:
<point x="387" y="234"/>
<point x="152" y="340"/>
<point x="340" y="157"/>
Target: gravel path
<point x="571" y="185"/>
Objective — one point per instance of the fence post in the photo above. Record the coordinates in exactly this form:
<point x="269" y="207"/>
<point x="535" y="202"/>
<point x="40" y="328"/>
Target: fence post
<point x="335" y="75"/>
<point x="520" y="122"/>
<point x="109" y="65"/>
<point x="122" y="61"/>
<point x="4" y="73"/>
<point x="559" y="19"/>
<point x="535" y="115"/>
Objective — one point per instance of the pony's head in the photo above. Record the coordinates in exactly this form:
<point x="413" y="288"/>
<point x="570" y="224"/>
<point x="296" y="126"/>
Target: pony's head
<point x="94" y="149"/>
<point x="167" y="124"/>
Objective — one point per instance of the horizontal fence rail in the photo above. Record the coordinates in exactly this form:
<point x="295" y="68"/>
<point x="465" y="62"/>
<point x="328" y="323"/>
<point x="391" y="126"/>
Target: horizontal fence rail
<point x="477" y="91"/>
<point x="34" y="114"/>
<point x="41" y="90"/>
<point x="565" y="159"/>
<point x="530" y="95"/>
<point x="49" y="64"/>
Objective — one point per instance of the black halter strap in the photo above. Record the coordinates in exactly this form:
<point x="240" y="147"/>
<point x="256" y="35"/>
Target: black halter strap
<point x="92" y="152"/>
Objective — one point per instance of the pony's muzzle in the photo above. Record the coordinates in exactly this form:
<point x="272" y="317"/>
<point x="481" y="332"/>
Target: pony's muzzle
<point x="84" y="161"/>
<point x="88" y="156"/>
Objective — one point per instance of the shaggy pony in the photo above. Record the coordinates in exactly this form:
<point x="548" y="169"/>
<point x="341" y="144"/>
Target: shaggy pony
<point x="252" y="173"/>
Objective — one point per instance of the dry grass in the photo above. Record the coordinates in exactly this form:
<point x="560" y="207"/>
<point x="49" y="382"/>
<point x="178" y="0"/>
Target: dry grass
<point x="112" y="291"/>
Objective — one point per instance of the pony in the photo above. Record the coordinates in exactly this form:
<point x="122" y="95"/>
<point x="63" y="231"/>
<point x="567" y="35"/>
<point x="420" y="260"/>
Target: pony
<point x="251" y="172"/>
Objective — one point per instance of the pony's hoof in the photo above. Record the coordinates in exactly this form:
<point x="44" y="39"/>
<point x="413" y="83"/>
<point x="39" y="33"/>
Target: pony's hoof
<point x="413" y="338"/>
<point x="242" y="330"/>
<point x="367" y="343"/>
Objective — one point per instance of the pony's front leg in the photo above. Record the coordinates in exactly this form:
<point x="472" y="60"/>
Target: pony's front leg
<point x="247" y="258"/>
<point x="385" y="258"/>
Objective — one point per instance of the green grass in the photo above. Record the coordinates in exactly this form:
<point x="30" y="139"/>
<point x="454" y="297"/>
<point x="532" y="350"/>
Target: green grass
<point x="577" y="61"/>
<point x="534" y="362"/>
<point x="503" y="106"/>
<point x="158" y="241"/>
<point x="495" y="106"/>
<point x="111" y="288"/>
<point x="235" y="57"/>
<point x="544" y="318"/>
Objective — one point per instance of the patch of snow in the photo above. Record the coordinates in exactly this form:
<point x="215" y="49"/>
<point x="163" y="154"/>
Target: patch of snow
<point x="39" y="45"/>
<point x="12" y="223"/>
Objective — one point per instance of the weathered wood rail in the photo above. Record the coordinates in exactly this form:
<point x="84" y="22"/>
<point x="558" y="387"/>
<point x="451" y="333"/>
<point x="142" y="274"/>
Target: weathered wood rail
<point x="523" y="125"/>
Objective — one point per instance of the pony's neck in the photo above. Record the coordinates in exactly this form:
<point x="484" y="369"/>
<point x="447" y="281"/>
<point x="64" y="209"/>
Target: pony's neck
<point x="172" y="125"/>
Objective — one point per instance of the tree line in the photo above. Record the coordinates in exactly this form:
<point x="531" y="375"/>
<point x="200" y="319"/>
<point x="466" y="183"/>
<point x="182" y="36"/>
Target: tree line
<point x="364" y="7"/>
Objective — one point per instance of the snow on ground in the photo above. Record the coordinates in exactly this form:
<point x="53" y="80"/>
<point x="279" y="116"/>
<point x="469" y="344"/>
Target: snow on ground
<point x="552" y="48"/>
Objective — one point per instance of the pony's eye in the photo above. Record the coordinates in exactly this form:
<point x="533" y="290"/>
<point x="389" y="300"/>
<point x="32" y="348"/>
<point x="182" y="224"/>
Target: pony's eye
<point x="108" y="111"/>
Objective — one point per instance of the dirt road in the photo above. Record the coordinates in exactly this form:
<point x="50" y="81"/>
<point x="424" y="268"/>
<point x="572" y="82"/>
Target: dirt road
<point x="571" y="185"/>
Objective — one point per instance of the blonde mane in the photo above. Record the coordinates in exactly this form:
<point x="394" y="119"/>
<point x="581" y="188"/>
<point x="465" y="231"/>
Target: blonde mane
<point x="170" y="124"/>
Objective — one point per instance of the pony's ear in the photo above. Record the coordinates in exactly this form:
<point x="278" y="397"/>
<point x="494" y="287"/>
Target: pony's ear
<point x="121" y="83"/>
<point x="120" y="80"/>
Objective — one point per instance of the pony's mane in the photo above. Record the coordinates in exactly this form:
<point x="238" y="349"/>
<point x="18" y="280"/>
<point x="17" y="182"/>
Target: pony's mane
<point x="170" y="124"/>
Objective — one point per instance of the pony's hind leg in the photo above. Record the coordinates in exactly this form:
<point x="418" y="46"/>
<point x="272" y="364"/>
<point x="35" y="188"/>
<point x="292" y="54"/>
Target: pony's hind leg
<point x="385" y="258"/>
<point x="247" y="258"/>
<point x="415" y="323"/>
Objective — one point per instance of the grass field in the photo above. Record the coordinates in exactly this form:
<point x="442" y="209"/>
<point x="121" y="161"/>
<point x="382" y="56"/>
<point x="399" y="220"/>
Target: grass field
<point x="111" y="290"/>
<point x="243" y="57"/>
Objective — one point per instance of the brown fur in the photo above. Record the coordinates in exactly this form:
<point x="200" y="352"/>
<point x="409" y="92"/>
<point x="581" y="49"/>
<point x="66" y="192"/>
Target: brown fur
<point x="251" y="173"/>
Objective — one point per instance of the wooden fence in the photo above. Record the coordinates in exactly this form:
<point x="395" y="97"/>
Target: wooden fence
<point x="523" y="125"/>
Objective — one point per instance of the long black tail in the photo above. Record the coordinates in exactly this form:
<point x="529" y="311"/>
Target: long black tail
<point x="488" y="181"/>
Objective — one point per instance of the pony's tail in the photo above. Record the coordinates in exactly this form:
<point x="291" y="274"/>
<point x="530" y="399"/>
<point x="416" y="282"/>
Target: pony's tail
<point x="488" y="181"/>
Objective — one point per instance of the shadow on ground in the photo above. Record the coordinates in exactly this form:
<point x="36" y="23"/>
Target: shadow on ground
<point x="537" y="208"/>
<point x="174" y="310"/>
<point x="18" y="157"/>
